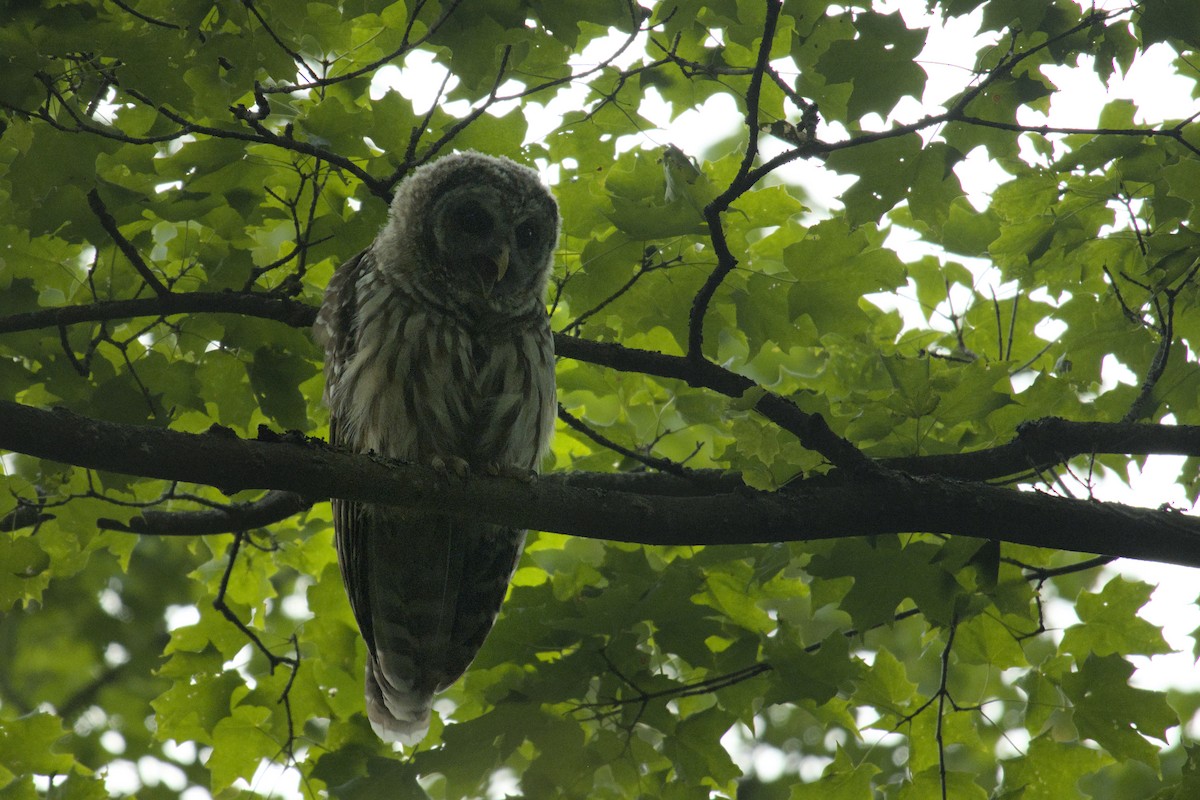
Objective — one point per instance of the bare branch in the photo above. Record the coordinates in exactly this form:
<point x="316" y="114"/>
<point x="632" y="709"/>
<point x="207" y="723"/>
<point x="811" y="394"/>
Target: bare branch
<point x="575" y="423"/>
<point x="126" y="246"/>
<point x="267" y="510"/>
<point x="273" y="660"/>
<point x="144" y="18"/>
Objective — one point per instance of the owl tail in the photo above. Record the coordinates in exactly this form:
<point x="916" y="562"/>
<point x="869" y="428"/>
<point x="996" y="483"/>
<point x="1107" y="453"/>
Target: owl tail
<point x="397" y="713"/>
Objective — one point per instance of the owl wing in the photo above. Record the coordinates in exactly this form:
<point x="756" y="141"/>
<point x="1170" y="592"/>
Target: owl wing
<point x="373" y="551"/>
<point x="336" y="328"/>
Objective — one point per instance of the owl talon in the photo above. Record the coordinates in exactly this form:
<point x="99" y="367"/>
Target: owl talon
<point x="451" y="464"/>
<point x="510" y="471"/>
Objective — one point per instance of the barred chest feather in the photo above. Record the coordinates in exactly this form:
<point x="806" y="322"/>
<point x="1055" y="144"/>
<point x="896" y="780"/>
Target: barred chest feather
<point x="420" y="384"/>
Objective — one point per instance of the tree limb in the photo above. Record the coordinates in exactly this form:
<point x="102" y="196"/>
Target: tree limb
<point x="1051" y="440"/>
<point x="266" y="510"/>
<point x="819" y="509"/>
<point x="264" y="306"/>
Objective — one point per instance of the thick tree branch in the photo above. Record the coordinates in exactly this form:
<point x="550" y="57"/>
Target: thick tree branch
<point x="1052" y="440"/>
<point x="886" y="503"/>
<point x="289" y="312"/>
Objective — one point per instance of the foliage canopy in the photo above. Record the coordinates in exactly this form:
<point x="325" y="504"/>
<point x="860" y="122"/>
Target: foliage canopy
<point x="750" y="384"/>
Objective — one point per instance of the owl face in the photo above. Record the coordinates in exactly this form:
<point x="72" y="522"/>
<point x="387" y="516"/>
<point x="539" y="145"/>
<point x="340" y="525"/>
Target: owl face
<point x="479" y="231"/>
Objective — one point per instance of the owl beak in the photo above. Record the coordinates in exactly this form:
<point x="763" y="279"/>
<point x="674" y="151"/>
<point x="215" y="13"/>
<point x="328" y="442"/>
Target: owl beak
<point x="501" y="264"/>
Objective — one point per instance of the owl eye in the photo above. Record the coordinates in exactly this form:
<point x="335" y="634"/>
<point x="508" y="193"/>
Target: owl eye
<point x="527" y="235"/>
<point x="472" y="218"/>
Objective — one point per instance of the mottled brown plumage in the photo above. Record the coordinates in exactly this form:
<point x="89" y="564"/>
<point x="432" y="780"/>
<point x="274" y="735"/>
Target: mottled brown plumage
<point x="438" y="351"/>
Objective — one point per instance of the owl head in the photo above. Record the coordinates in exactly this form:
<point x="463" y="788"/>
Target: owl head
<point x="474" y="232"/>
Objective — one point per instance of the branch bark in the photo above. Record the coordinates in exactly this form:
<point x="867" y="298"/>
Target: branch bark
<point x="272" y="507"/>
<point x="252" y="304"/>
<point x="1052" y="440"/>
<point x="575" y="504"/>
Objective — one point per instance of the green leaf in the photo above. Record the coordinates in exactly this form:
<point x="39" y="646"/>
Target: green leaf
<point x="697" y="751"/>
<point x="1170" y="21"/>
<point x="1190" y="779"/>
<point x="885" y="685"/>
<point x="1109" y="623"/>
<point x="24" y="572"/>
<point x="885" y="575"/>
<point x="276" y="376"/>
<point x="196" y="703"/>
<point x="729" y="594"/>
<point x="29" y="744"/>
<point x="984" y="639"/>
<point x="932" y="782"/>
<point x="804" y="675"/>
<point x="1113" y="713"/>
<point x="833" y="267"/>
<point x="239" y="744"/>
<point x="1050" y="770"/>
<point x="881" y="62"/>
<point x="886" y="168"/>
<point x="842" y="780"/>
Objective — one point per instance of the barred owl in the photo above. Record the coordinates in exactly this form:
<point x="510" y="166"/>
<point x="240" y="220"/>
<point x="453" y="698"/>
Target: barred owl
<point x="438" y="351"/>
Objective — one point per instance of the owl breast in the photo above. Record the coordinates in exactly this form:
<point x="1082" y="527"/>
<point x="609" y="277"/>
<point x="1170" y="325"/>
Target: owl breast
<point x="422" y="385"/>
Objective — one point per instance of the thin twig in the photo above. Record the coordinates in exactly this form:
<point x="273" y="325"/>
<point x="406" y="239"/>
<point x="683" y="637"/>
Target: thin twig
<point x="662" y="464"/>
<point x="135" y="258"/>
<point x="644" y="269"/>
<point x="943" y="695"/>
<point x="1012" y="326"/>
<point x="292" y="54"/>
<point x="406" y="44"/>
<point x="273" y="661"/>
<point x="144" y="18"/>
